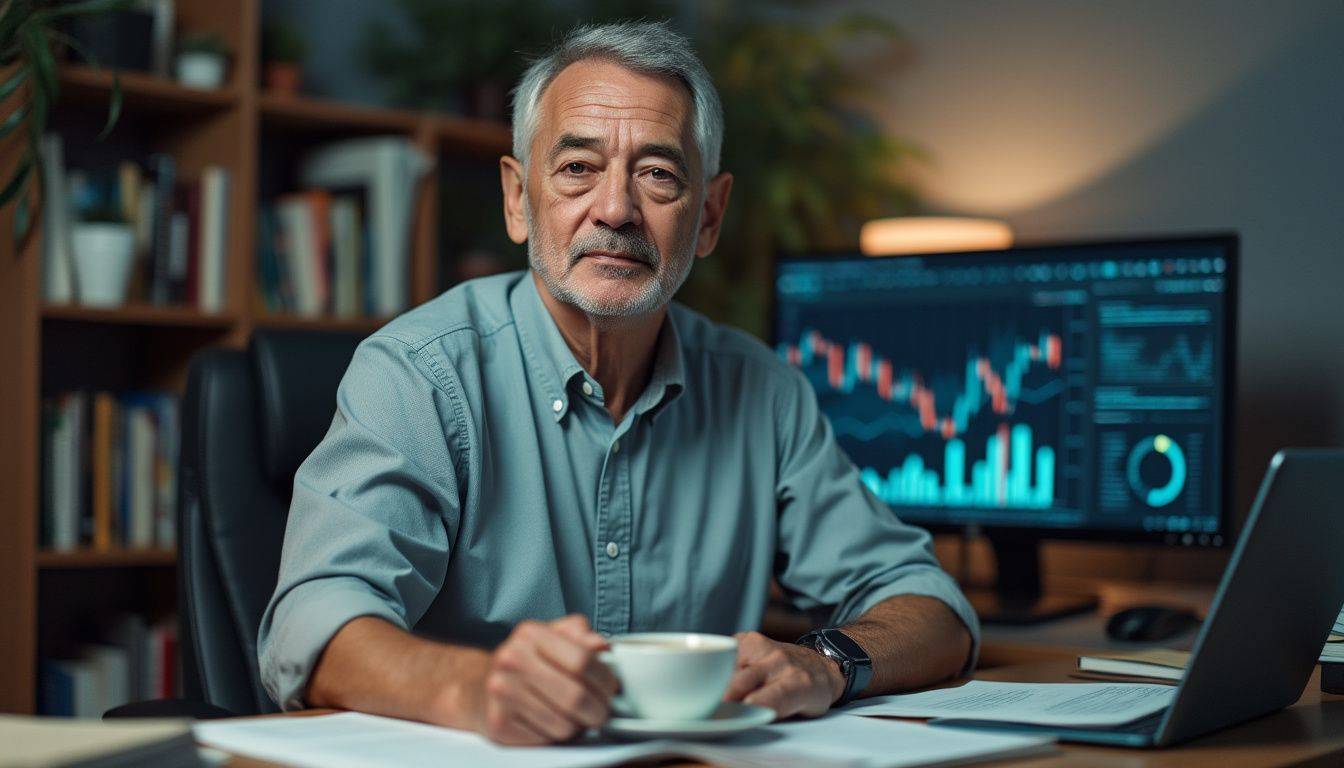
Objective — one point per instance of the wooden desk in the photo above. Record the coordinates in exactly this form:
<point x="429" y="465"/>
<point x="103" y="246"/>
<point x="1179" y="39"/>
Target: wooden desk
<point x="1311" y="732"/>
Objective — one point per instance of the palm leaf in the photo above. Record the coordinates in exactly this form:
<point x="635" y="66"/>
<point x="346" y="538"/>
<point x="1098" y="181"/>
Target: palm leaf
<point x="18" y="182"/>
<point x="11" y="85"/>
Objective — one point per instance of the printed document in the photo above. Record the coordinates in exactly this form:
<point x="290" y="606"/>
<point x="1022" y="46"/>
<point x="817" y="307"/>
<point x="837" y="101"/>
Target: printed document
<point x="1066" y="704"/>
<point x="351" y="740"/>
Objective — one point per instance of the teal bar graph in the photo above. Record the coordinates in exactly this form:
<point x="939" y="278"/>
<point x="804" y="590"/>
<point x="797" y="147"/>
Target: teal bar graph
<point x="1013" y="474"/>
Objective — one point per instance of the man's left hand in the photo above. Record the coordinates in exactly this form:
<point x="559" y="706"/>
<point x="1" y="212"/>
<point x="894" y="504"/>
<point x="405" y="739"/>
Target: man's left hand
<point x="790" y="679"/>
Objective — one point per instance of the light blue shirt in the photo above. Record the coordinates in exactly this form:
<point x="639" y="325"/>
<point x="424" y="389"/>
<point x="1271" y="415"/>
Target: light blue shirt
<point x="472" y="479"/>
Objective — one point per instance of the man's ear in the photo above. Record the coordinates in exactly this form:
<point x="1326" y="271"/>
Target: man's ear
<point x="514" y="182"/>
<point x="711" y="214"/>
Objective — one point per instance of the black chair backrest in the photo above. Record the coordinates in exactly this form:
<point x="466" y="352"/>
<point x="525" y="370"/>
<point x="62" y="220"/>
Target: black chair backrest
<point x="248" y="420"/>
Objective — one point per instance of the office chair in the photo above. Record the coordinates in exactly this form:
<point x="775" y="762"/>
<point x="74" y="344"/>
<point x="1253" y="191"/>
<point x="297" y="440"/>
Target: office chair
<point x="249" y="418"/>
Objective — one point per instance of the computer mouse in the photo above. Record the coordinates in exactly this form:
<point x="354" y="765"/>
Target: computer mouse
<point x="1150" y="622"/>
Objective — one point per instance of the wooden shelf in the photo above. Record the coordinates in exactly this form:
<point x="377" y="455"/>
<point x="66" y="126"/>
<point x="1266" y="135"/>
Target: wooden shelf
<point x="87" y="85"/>
<point x="483" y="136"/>
<point x="139" y="315"/>
<point x="88" y="558"/>
<point x="305" y="114"/>
<point x="361" y="324"/>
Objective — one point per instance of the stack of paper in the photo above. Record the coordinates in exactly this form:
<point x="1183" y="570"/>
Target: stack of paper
<point x="351" y="739"/>
<point x="1061" y="704"/>
<point x="33" y="741"/>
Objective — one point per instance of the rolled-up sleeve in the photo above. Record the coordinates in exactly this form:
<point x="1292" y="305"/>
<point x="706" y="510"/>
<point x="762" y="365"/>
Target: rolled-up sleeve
<point x="838" y="544"/>
<point x="375" y="509"/>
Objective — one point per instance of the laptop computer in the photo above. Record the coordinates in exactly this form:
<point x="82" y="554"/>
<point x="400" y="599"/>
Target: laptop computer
<point x="1273" y="611"/>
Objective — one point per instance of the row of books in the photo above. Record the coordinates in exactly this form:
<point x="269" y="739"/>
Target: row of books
<point x="341" y="245"/>
<point x="315" y="256"/>
<point x="180" y="226"/>
<point x="138" y="661"/>
<point x="109" y="470"/>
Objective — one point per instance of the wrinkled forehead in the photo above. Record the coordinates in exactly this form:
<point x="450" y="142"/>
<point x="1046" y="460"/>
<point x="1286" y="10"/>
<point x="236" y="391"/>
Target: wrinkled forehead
<point x="604" y="100"/>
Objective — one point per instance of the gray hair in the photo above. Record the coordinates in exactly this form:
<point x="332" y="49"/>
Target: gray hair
<point x="641" y="46"/>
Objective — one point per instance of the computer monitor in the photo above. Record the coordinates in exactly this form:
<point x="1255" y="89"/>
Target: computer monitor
<point x="1062" y="391"/>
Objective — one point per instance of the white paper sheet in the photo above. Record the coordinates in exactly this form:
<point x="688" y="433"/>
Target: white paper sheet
<point x="1076" y="704"/>
<point x="857" y="741"/>
<point x="350" y="739"/>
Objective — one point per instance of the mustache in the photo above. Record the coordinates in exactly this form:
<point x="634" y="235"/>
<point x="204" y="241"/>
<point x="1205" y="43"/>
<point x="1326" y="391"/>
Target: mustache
<point x="625" y="242"/>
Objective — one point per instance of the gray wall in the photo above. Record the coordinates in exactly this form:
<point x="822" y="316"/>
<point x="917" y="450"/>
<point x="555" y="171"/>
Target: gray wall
<point x="1092" y="119"/>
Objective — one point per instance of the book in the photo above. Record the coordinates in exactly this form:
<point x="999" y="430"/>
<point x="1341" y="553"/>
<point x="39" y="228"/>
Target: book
<point x="1160" y="663"/>
<point x="57" y="270"/>
<point x="142" y="458"/>
<point x="165" y="179"/>
<point x="347" y="242"/>
<point x="67" y="471"/>
<point x="103" y="495"/>
<point x="212" y="251"/>
<point x="304" y="226"/>
<point x="70" y="688"/>
<point x="165" y="470"/>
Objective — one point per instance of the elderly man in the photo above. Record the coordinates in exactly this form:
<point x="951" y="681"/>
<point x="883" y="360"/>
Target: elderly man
<point x="533" y="462"/>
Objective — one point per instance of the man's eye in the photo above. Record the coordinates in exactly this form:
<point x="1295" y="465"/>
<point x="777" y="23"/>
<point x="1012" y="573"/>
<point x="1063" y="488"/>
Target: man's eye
<point x="575" y="168"/>
<point x="661" y="174"/>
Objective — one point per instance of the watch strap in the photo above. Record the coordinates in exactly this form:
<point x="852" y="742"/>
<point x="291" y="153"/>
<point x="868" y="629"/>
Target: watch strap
<point x="854" y="662"/>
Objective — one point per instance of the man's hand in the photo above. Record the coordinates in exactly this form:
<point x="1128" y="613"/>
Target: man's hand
<point x="544" y="684"/>
<point x="790" y="679"/>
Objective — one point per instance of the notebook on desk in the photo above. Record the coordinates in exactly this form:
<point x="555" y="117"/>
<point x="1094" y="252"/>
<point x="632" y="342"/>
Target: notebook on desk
<point x="1157" y="663"/>
<point x="1272" y="613"/>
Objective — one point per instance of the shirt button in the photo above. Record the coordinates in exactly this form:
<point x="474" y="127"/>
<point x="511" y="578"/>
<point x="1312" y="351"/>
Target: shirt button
<point x="557" y="405"/>
<point x="587" y="389"/>
<point x="616" y="447"/>
<point x="612" y="549"/>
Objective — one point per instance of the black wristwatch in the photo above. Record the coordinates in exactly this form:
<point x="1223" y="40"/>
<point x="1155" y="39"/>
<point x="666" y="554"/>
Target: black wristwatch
<point x="854" y="663"/>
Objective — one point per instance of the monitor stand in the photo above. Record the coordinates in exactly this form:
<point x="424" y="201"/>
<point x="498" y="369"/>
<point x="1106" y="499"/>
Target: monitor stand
<point x="1017" y="597"/>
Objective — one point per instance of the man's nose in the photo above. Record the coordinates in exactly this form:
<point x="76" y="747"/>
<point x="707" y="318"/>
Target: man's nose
<point x="615" y="205"/>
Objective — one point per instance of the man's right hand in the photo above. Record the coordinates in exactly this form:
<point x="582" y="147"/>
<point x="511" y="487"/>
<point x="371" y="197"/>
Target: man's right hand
<point x="545" y="684"/>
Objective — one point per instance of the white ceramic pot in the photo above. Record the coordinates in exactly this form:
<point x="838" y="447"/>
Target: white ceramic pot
<point x="199" y="69"/>
<point x="104" y="254"/>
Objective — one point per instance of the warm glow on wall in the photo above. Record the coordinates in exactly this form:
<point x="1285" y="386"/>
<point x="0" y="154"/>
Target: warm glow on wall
<point x="933" y="234"/>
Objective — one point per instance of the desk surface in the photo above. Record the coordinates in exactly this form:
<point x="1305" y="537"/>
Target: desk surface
<point x="1309" y="732"/>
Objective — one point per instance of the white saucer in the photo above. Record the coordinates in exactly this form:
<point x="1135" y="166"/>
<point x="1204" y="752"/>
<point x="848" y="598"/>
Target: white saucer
<point x="730" y="718"/>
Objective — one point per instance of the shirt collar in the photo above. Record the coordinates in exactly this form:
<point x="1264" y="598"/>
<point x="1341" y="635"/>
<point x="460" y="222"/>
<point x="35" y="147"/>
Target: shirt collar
<point x="553" y="367"/>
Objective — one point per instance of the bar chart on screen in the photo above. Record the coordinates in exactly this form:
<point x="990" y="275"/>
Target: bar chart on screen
<point x="971" y="425"/>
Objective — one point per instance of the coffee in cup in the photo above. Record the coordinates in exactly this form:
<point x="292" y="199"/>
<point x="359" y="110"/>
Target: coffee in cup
<point x="670" y="675"/>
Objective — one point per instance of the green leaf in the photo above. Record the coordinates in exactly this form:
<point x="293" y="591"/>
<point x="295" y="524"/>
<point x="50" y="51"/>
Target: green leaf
<point x="13" y="122"/>
<point x="23" y="218"/>
<point x="11" y="85"/>
<point x="81" y="8"/>
<point x="114" y="98"/>
<point x="17" y="183"/>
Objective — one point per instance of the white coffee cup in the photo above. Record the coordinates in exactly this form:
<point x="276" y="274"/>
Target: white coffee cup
<point x="670" y="675"/>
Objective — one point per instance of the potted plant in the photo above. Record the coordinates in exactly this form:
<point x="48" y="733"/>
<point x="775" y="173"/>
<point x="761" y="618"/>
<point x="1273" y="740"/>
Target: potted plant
<point x="104" y="256"/>
<point x="283" y="50"/>
<point x="28" y="87"/>
<point x="202" y="59"/>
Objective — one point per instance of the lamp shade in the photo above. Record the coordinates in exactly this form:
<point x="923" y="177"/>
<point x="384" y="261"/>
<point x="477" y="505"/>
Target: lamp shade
<point x="932" y="234"/>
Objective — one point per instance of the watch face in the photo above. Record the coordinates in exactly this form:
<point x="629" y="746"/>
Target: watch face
<point x="843" y="643"/>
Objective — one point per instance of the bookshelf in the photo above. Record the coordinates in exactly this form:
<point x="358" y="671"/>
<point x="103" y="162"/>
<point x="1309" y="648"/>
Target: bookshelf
<point x="50" y="348"/>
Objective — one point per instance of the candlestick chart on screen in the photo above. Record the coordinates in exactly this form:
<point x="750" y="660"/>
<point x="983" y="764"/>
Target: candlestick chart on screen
<point x="969" y="416"/>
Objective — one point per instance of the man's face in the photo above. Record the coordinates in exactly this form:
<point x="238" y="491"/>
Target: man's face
<point x="613" y="203"/>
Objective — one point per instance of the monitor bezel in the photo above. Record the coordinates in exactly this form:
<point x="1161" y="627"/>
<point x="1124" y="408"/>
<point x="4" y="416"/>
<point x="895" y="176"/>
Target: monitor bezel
<point x="1230" y="242"/>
